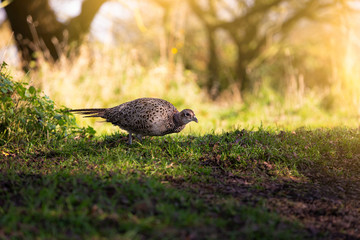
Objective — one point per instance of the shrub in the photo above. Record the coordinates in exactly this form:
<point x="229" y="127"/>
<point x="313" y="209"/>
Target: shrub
<point x="28" y="118"/>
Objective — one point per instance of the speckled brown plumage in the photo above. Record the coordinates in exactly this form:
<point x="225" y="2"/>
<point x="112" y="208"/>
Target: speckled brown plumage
<point x="144" y="117"/>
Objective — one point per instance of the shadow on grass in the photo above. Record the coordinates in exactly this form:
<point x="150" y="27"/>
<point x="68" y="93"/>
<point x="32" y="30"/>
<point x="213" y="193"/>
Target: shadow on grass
<point x="84" y="205"/>
<point x="307" y="176"/>
<point x="320" y="196"/>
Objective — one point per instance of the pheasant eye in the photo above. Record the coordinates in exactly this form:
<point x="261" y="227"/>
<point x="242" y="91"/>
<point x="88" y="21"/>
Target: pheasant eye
<point x="187" y="114"/>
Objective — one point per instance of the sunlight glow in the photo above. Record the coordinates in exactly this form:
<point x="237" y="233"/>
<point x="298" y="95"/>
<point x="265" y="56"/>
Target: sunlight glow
<point x="309" y="78"/>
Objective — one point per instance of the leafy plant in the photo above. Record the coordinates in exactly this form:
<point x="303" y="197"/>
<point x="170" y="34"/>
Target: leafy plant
<point x="28" y="118"/>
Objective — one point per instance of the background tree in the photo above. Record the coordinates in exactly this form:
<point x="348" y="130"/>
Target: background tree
<point x="223" y="41"/>
<point x="251" y="25"/>
<point x="36" y="28"/>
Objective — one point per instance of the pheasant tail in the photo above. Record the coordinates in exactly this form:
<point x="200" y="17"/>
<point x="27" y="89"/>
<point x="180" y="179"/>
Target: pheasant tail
<point x="91" y="112"/>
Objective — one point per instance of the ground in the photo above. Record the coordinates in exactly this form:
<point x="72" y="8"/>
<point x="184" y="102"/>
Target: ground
<point x="261" y="184"/>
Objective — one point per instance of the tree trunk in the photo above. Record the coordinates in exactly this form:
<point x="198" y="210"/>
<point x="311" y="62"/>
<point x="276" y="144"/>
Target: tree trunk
<point x="36" y="28"/>
<point x="243" y="80"/>
<point x="212" y="84"/>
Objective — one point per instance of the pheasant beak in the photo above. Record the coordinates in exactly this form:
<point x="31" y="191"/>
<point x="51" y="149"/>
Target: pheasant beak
<point x="195" y="119"/>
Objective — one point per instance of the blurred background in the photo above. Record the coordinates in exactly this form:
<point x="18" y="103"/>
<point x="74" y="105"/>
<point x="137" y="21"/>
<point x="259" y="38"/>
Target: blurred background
<point x="237" y="63"/>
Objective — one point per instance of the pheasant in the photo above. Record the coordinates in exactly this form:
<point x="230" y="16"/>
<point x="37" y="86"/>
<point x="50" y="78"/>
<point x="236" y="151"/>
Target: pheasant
<point x="144" y="117"/>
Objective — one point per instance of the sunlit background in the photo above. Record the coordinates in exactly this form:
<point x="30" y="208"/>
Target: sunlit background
<point x="303" y="73"/>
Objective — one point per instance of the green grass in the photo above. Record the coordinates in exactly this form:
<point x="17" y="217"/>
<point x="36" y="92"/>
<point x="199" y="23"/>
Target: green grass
<point x="63" y="206"/>
<point x="95" y="188"/>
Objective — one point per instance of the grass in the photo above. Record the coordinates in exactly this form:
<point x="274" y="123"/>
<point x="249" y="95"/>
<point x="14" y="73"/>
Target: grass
<point x="172" y="187"/>
<point x="58" y="180"/>
<point x="89" y="207"/>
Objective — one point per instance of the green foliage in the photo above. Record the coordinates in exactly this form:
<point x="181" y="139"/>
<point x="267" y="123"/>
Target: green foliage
<point x="27" y="118"/>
